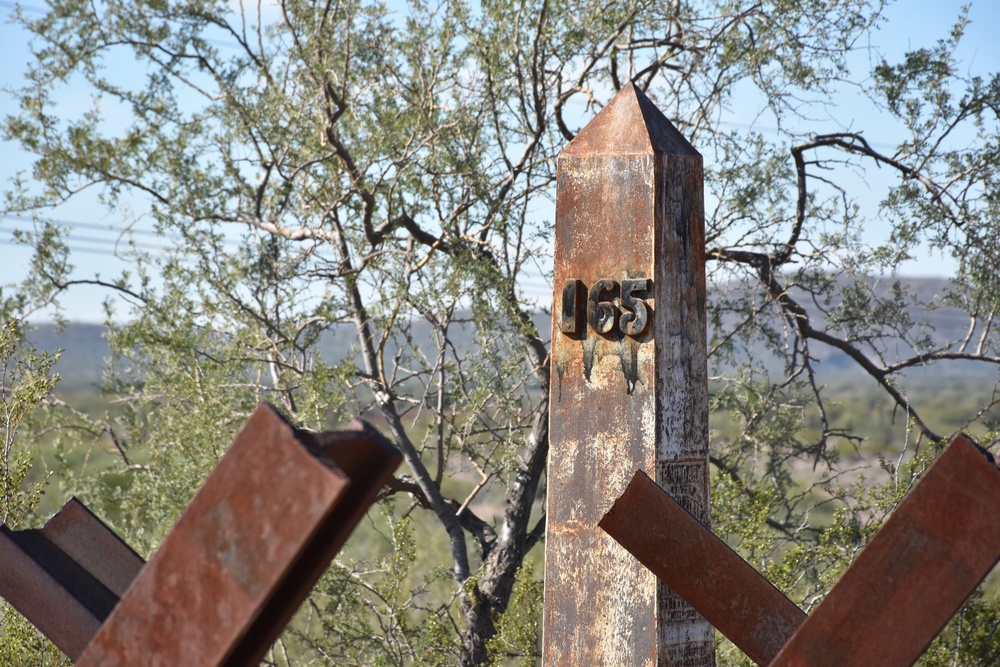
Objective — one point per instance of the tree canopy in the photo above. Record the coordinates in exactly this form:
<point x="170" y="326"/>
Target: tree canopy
<point x="382" y="174"/>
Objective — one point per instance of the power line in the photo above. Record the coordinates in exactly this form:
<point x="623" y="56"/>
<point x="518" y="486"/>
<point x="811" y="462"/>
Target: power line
<point x="133" y="244"/>
<point x="84" y="225"/>
<point x="27" y="8"/>
<point x="91" y="251"/>
<point x="42" y="10"/>
<point x="71" y="224"/>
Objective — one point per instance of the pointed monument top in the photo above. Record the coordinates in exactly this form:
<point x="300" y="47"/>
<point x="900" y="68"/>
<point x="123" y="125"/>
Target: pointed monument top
<point x="630" y="125"/>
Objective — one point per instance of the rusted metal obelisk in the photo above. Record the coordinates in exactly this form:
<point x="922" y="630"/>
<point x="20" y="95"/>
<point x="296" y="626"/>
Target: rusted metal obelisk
<point x="629" y="387"/>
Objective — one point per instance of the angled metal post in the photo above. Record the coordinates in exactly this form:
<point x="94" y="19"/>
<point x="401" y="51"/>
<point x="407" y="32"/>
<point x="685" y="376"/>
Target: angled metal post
<point x="87" y="540"/>
<point x="66" y="577"/>
<point x="248" y="549"/>
<point x="688" y="557"/>
<point x="903" y="588"/>
<point x="629" y="383"/>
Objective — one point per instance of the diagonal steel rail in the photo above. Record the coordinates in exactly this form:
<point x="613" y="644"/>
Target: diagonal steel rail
<point x="917" y="571"/>
<point x="66" y="577"/>
<point x="685" y="555"/>
<point x="248" y="548"/>
<point x="903" y="588"/>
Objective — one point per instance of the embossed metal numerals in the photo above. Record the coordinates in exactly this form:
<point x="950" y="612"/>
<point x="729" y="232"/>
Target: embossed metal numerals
<point x="601" y="312"/>
<point x="610" y="306"/>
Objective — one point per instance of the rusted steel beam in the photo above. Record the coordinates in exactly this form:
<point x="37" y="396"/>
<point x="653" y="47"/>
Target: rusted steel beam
<point x="67" y="577"/>
<point x="248" y="548"/>
<point x="368" y="460"/>
<point x="924" y="562"/>
<point x="52" y="590"/>
<point x="87" y="540"/>
<point x="629" y="387"/>
<point x="691" y="560"/>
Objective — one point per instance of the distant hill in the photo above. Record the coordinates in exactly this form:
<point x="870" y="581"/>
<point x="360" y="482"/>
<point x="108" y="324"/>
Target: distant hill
<point x="85" y="350"/>
<point x="942" y="325"/>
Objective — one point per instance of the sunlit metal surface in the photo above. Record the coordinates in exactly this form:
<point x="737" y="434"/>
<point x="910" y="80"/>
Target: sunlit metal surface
<point x="629" y="383"/>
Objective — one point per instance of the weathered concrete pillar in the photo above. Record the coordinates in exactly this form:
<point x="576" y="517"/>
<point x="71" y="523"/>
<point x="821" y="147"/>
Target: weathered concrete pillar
<point x="629" y="387"/>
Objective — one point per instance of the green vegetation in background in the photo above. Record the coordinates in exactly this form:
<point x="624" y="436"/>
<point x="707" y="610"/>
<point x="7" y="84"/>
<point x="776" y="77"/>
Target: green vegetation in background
<point x="381" y="173"/>
<point x="27" y="382"/>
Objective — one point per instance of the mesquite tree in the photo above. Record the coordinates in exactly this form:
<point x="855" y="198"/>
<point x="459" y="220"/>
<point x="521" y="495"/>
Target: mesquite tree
<point x="376" y="179"/>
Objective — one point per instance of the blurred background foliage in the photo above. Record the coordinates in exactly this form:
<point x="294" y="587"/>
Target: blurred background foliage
<point x="354" y="204"/>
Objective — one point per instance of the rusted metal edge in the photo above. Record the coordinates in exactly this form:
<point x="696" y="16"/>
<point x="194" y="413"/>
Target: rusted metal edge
<point x="686" y="556"/>
<point x="67" y="577"/>
<point x="369" y="460"/>
<point x="86" y="539"/>
<point x="904" y="587"/>
<point x="54" y="592"/>
<point x="246" y="551"/>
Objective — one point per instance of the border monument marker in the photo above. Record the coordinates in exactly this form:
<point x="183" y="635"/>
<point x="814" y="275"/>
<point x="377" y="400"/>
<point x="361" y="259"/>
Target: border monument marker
<point x="629" y="386"/>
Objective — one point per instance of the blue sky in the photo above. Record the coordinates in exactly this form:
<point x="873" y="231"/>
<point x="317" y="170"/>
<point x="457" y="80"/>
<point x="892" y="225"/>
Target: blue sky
<point x="910" y="24"/>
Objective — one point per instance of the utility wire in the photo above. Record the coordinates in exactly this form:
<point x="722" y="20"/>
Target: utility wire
<point x="84" y="225"/>
<point x="72" y="224"/>
<point x="43" y="10"/>
<point x="124" y="244"/>
<point x="90" y="251"/>
<point x="27" y="8"/>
